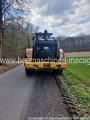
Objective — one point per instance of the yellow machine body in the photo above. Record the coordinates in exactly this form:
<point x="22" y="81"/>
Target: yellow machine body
<point x="36" y="65"/>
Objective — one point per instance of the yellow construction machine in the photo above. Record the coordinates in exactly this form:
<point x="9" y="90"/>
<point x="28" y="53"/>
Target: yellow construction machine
<point x="45" y="55"/>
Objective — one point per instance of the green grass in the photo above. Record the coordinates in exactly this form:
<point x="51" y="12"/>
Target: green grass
<point x="81" y="71"/>
<point x="77" y="75"/>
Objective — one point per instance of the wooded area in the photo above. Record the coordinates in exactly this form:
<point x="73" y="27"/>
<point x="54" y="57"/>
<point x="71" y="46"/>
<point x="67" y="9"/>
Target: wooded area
<point x="15" y="31"/>
<point x="75" y="44"/>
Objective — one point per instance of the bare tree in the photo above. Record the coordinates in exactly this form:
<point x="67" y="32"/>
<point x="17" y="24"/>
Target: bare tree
<point x="11" y="9"/>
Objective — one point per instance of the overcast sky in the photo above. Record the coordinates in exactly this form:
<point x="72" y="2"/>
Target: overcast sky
<point x="66" y="17"/>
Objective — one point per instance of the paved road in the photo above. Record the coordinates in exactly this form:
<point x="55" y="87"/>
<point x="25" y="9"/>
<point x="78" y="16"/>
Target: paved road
<point x="24" y="96"/>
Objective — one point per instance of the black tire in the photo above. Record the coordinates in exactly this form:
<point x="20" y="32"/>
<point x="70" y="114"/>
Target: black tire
<point x="29" y="72"/>
<point x="59" y="72"/>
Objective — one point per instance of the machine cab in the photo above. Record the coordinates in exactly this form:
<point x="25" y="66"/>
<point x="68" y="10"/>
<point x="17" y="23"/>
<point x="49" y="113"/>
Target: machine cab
<point x="44" y="35"/>
<point x="41" y="36"/>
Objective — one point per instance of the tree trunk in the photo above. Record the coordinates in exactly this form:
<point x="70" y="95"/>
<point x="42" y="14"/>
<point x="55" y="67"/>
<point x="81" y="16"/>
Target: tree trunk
<point x="1" y="26"/>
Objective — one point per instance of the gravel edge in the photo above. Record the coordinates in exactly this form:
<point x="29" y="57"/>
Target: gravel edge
<point x="9" y="67"/>
<point x="69" y="100"/>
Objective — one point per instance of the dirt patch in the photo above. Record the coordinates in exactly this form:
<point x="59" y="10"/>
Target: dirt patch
<point x="78" y="54"/>
<point x="6" y="67"/>
<point x="70" y="106"/>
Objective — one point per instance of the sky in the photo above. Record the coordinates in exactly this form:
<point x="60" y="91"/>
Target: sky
<point x="65" y="17"/>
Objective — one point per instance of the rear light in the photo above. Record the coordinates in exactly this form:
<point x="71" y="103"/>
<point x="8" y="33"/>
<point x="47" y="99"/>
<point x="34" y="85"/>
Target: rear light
<point x="27" y="64"/>
<point x="58" y="66"/>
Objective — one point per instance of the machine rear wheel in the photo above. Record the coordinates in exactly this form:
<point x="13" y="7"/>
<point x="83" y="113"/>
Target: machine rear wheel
<point x="58" y="72"/>
<point x="29" y="72"/>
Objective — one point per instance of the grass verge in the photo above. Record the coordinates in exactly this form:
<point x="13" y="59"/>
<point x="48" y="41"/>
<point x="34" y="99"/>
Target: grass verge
<point x="77" y="76"/>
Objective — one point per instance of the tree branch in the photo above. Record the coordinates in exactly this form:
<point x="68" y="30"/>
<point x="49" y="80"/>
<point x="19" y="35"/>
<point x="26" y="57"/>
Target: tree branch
<point x="6" y="8"/>
<point x="3" y="1"/>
